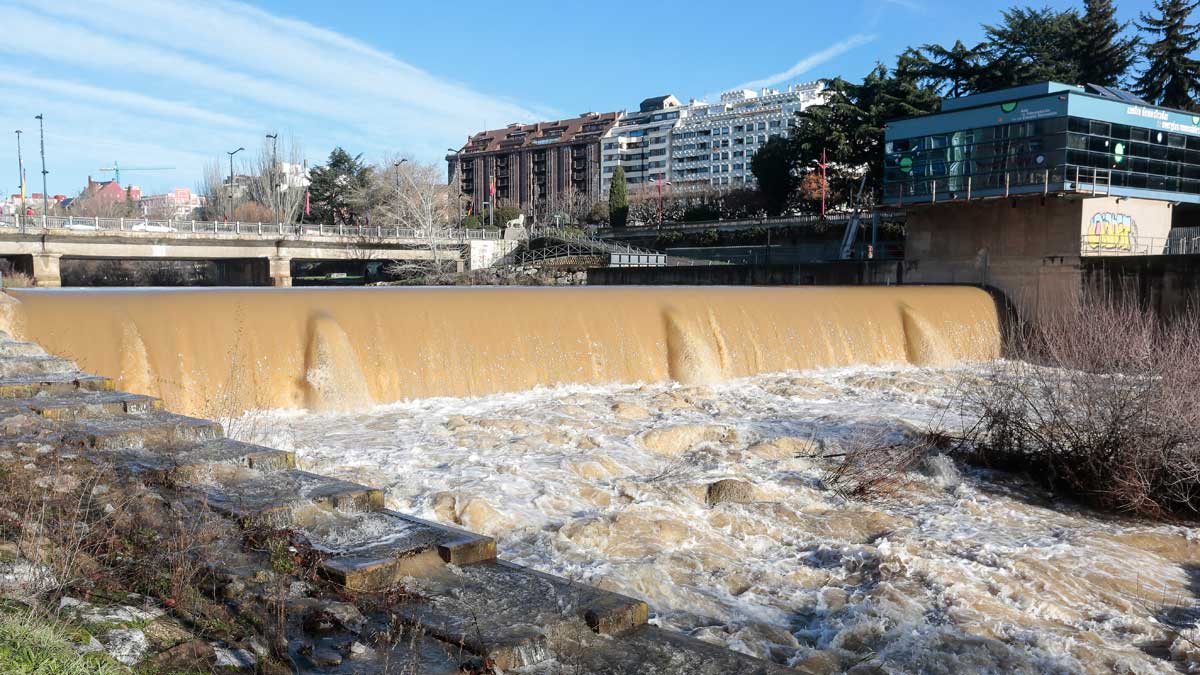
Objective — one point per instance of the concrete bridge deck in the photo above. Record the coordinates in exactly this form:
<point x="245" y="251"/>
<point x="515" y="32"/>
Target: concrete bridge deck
<point x="46" y="241"/>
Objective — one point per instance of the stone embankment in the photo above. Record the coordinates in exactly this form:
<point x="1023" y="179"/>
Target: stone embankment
<point x="319" y="575"/>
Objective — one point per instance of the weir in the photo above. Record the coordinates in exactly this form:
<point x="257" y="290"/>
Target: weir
<point x="218" y="352"/>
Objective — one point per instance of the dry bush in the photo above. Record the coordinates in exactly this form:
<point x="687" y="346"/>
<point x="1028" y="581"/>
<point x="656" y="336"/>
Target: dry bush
<point x="1099" y="401"/>
<point x="17" y="280"/>
<point x="876" y="467"/>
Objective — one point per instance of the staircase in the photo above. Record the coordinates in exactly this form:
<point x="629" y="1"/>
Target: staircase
<point x="457" y="592"/>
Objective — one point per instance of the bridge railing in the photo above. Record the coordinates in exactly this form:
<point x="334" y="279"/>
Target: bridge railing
<point x="186" y="228"/>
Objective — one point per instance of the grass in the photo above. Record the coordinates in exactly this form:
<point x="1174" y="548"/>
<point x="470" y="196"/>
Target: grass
<point x="30" y="645"/>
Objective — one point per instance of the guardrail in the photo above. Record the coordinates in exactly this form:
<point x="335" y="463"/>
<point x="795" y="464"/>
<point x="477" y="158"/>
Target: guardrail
<point x="1121" y="244"/>
<point x="186" y="228"/>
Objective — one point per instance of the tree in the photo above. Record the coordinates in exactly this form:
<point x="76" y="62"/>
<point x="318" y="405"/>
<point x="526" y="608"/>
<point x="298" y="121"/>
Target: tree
<point x="334" y="186"/>
<point x="269" y="182"/>
<point x="952" y="72"/>
<point x="1031" y="45"/>
<point x="1172" y="76"/>
<point x="618" y="200"/>
<point x="775" y="166"/>
<point x="1104" y="56"/>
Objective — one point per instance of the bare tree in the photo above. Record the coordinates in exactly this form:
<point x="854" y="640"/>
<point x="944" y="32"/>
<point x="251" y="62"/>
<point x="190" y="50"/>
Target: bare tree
<point x="219" y="200"/>
<point x="274" y="180"/>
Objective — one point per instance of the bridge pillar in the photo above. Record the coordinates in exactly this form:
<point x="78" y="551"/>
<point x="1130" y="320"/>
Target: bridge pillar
<point x="46" y="269"/>
<point x="280" y="270"/>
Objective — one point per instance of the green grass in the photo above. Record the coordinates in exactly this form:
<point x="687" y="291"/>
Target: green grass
<point x="33" y="646"/>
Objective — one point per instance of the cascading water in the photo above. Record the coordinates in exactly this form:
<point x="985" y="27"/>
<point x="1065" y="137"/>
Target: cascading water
<point x="222" y="352"/>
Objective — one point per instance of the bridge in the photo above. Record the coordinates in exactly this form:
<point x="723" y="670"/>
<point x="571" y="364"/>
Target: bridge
<point x="258" y="253"/>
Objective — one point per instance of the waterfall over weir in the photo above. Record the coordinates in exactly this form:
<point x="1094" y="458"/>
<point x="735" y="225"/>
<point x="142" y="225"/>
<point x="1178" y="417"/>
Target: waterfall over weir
<point x="219" y="352"/>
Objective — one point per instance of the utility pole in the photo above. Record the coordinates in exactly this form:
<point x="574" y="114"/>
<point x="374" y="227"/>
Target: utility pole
<point x="229" y="209"/>
<point x="20" y="176"/>
<point x="45" y="198"/>
<point x="274" y="163"/>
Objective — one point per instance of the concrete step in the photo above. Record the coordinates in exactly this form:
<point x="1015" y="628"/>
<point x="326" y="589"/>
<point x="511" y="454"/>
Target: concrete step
<point x="269" y="498"/>
<point x="66" y="383"/>
<point x="79" y="405"/>
<point x="14" y="348"/>
<point x="649" y="649"/>
<point x="375" y="551"/>
<point x="148" y="430"/>
<point x="190" y="463"/>
<point x="35" y="366"/>
<point x="513" y="615"/>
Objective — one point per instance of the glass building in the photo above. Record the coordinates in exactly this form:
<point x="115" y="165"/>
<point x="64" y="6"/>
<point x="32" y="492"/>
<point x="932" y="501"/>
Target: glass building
<point x="1042" y="139"/>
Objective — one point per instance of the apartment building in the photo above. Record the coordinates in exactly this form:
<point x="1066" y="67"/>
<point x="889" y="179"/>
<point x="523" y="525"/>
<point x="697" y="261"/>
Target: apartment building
<point x="524" y="165"/>
<point x="640" y="142"/>
<point x="711" y="147"/>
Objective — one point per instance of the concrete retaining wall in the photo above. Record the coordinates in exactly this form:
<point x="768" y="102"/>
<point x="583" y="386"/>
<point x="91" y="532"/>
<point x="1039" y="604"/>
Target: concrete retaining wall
<point x="1167" y="284"/>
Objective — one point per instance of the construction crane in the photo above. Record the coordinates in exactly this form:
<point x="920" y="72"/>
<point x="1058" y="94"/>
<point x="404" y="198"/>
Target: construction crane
<point x="116" y="169"/>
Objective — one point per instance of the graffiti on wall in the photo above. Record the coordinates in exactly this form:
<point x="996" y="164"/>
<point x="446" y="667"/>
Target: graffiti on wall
<point x="1108" y="231"/>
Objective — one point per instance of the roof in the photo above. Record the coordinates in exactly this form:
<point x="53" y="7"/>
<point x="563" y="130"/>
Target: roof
<point x="589" y="126"/>
<point x="658" y="103"/>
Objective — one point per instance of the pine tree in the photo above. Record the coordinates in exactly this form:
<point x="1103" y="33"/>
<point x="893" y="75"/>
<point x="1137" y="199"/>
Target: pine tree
<point x="618" y="199"/>
<point x="1104" y="56"/>
<point x="1172" y="76"/>
<point x="332" y="187"/>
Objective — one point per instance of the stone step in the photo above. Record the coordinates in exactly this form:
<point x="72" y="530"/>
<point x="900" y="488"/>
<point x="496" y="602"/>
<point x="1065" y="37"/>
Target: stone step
<point x="513" y="615"/>
<point x="79" y="405"/>
<point x="148" y="430"/>
<point x="375" y="551"/>
<point x="26" y="387"/>
<point x="269" y="498"/>
<point x="35" y="366"/>
<point x="14" y="348"/>
<point x="649" y="649"/>
<point x="189" y="463"/>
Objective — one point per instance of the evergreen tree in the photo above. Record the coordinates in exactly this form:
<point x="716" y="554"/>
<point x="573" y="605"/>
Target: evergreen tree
<point x="1104" y="56"/>
<point x="1031" y="45"/>
<point x="333" y="187"/>
<point x="775" y="166"/>
<point x="1172" y="76"/>
<point x="951" y="72"/>
<point x="618" y="199"/>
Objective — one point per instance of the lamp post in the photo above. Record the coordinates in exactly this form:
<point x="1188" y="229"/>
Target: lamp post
<point x="823" y="165"/>
<point x="229" y="214"/>
<point x="21" y="177"/>
<point x="457" y="182"/>
<point x="396" y="165"/>
<point x="274" y="163"/>
<point x="660" y="182"/>
<point x="45" y="198"/>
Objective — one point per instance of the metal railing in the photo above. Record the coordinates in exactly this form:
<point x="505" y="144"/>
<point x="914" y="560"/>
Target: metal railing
<point x="1121" y="243"/>
<point x="187" y="228"/>
<point x="1025" y="181"/>
<point x="559" y="245"/>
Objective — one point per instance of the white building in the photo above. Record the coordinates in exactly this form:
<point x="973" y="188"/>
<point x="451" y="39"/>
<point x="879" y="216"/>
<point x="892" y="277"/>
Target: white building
<point x="713" y="143"/>
<point x="640" y="142"/>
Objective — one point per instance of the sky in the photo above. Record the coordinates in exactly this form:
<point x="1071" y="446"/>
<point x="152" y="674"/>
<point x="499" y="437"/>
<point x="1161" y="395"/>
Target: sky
<point x="178" y="83"/>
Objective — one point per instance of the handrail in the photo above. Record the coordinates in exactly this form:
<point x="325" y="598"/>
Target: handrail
<point x="1108" y="244"/>
<point x="188" y="228"/>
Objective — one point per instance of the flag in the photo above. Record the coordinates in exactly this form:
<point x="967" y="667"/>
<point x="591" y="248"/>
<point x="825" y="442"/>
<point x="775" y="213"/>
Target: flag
<point x="492" y="187"/>
<point x="307" y="204"/>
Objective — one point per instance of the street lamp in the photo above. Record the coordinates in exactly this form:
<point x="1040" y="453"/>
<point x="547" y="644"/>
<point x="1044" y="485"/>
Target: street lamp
<point x="21" y="176"/>
<point x="274" y="163"/>
<point x="396" y="165"/>
<point x="457" y="182"/>
<point x="823" y="165"/>
<point x="45" y="198"/>
<point x="229" y="214"/>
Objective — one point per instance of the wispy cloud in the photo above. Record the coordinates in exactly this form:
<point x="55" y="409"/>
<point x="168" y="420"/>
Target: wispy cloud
<point x="812" y="61"/>
<point x="225" y="66"/>
<point x="910" y="5"/>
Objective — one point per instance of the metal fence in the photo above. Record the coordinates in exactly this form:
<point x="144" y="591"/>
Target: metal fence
<point x="1092" y="245"/>
<point x="185" y="228"/>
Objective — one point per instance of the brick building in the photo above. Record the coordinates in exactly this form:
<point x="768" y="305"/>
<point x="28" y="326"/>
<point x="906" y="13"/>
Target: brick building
<point x="531" y="164"/>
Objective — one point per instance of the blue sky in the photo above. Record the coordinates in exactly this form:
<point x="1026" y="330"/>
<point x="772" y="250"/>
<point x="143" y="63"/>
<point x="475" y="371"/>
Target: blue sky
<point x="177" y="83"/>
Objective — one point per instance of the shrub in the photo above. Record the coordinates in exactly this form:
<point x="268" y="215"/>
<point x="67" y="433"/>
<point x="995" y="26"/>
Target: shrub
<point x="1098" y="401"/>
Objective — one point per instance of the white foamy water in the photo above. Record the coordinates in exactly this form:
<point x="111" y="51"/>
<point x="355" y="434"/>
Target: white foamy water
<point x="963" y="571"/>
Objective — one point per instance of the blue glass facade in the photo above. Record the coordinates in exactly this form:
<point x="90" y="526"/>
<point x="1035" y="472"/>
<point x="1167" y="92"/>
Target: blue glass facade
<point x="1047" y="138"/>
